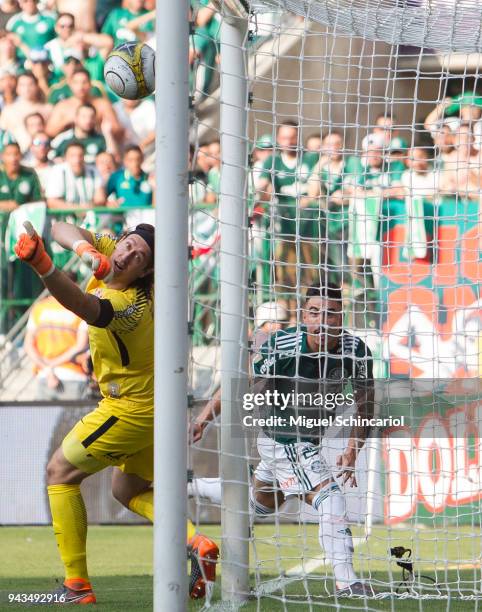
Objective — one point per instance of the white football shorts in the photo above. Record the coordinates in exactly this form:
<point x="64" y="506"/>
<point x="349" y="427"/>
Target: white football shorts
<point x="296" y="468"/>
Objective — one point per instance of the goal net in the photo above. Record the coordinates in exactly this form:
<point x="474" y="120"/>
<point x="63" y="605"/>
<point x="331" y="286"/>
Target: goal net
<point x="361" y="197"/>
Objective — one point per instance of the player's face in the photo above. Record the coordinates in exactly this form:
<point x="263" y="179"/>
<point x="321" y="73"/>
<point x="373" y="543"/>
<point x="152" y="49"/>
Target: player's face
<point x="131" y="260"/>
<point x="323" y="320"/>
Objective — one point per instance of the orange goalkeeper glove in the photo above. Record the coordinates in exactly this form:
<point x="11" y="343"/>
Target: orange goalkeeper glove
<point x="98" y="263"/>
<point x="30" y="248"/>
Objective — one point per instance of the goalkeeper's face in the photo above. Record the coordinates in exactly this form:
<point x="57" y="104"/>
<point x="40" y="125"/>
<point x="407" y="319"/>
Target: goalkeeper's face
<point x="131" y="260"/>
<point x="323" y="319"/>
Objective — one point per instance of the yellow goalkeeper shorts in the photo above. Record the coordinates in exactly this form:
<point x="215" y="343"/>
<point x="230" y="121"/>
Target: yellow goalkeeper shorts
<point x="102" y="439"/>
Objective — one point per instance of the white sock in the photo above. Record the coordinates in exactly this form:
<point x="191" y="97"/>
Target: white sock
<point x="209" y="488"/>
<point x="335" y="535"/>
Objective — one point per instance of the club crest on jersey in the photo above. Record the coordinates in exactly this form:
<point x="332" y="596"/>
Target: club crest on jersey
<point x="268" y="362"/>
<point x="362" y="370"/>
<point x="316" y="466"/>
<point x="338" y="374"/>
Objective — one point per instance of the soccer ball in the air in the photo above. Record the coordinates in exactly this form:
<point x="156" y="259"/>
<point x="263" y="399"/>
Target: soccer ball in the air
<point x="129" y="70"/>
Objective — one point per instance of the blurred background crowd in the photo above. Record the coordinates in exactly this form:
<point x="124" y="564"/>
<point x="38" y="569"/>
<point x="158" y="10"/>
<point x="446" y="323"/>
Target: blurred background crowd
<point x="70" y="149"/>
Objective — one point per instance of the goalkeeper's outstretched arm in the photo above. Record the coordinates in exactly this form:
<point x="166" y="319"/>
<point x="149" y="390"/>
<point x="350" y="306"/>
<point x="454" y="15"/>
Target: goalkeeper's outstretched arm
<point x="30" y="249"/>
<point x="65" y="291"/>
<point x="67" y="235"/>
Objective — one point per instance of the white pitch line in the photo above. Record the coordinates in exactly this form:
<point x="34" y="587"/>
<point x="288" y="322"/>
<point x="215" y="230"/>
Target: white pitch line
<point x="307" y="567"/>
<point x="296" y="572"/>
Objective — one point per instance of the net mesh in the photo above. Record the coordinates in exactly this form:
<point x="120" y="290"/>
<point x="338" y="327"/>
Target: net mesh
<point x="364" y="126"/>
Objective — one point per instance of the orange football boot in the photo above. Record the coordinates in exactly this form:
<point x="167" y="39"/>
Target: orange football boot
<point x="204" y="554"/>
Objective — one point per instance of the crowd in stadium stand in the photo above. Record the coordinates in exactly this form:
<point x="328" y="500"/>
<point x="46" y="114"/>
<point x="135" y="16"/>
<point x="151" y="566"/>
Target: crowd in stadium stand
<point x="315" y="204"/>
<point x="68" y="144"/>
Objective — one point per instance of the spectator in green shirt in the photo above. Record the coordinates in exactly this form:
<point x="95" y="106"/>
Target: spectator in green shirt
<point x="282" y="183"/>
<point x="40" y="66"/>
<point x="90" y="47"/>
<point x="32" y="28"/>
<point x="206" y="19"/>
<point x="129" y="186"/>
<point x="18" y="184"/>
<point x="34" y="123"/>
<point x="8" y="87"/>
<point x="5" y="139"/>
<point x="115" y="24"/>
<point x="63" y="90"/>
<point x="326" y="193"/>
<point x="213" y="187"/>
<point x="202" y="61"/>
<point x="8" y="54"/>
<point x="84" y="132"/>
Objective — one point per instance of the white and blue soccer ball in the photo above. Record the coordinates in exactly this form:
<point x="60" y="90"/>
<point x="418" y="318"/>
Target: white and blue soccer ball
<point x="129" y="70"/>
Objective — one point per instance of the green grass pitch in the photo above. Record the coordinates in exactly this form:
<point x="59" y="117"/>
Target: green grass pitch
<point x="121" y="568"/>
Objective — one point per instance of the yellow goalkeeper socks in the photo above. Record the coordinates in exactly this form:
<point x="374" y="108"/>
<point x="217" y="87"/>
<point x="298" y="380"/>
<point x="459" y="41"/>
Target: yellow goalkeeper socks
<point x="191" y="531"/>
<point x="69" y="520"/>
<point x="143" y="504"/>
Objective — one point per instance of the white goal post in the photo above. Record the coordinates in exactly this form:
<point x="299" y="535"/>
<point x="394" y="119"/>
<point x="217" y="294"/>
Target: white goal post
<point x="327" y="69"/>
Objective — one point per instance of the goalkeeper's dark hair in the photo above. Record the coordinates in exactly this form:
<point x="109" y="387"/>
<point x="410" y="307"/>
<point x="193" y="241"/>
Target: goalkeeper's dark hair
<point x="147" y="233"/>
<point x="328" y="291"/>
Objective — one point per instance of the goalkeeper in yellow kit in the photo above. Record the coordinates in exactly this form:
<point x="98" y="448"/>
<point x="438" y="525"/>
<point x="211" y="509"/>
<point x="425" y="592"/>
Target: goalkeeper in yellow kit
<point x="118" y="307"/>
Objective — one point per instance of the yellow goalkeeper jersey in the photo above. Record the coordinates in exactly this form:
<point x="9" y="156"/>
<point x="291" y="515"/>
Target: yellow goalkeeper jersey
<point x="122" y="341"/>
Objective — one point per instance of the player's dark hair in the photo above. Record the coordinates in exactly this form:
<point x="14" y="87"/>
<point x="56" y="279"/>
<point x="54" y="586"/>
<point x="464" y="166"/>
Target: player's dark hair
<point x="328" y="291"/>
